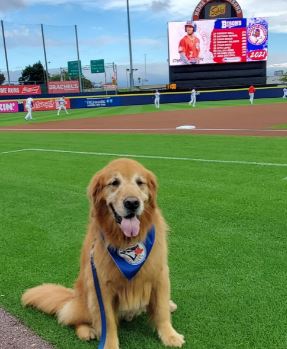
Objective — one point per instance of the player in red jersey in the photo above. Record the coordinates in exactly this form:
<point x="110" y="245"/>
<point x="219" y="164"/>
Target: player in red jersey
<point x="189" y="45"/>
<point x="251" y="92"/>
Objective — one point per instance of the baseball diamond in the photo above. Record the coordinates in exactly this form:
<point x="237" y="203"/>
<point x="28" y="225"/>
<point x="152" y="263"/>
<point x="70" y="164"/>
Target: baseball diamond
<point x="143" y="174"/>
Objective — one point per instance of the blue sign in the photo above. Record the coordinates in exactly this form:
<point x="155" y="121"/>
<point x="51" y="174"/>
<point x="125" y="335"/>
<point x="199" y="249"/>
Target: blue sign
<point x="232" y="23"/>
<point x="102" y="102"/>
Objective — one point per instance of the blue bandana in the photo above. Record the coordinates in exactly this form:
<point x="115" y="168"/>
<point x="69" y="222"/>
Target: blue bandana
<point x="130" y="260"/>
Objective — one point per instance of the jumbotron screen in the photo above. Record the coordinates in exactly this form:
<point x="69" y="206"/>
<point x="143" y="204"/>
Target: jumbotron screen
<point x="218" y="41"/>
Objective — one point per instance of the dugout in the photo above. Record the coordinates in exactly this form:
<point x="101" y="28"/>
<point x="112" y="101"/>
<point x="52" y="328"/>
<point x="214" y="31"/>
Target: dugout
<point x="222" y="75"/>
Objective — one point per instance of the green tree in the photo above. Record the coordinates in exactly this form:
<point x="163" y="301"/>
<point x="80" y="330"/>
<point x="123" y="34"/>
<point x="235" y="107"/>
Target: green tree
<point x="86" y="83"/>
<point x="33" y="74"/>
<point x="2" y="78"/>
<point x="62" y="76"/>
<point x="284" y="78"/>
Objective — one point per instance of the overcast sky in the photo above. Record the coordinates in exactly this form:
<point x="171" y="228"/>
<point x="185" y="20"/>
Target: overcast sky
<point x="102" y="30"/>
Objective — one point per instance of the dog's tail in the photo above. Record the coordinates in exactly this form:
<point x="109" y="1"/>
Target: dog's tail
<point x="49" y="298"/>
<point x="69" y="307"/>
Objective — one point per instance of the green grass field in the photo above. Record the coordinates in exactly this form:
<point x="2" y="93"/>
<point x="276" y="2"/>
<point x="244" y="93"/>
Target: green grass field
<point x="44" y="116"/>
<point x="227" y="245"/>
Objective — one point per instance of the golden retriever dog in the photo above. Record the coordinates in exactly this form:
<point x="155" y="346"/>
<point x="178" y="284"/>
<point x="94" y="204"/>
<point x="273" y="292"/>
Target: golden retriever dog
<point x="123" y="216"/>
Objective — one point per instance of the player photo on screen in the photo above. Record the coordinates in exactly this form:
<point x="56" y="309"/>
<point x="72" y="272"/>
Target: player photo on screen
<point x="218" y="41"/>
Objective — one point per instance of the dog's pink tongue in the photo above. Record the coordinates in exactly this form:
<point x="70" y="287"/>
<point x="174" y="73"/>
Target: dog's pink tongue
<point x="130" y="227"/>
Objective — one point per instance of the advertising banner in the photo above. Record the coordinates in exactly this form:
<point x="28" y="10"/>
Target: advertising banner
<point x="217" y="10"/>
<point x="62" y="87"/>
<point x="48" y="104"/>
<point x="218" y="41"/>
<point x="12" y="90"/>
<point x="9" y="107"/>
<point x="101" y="102"/>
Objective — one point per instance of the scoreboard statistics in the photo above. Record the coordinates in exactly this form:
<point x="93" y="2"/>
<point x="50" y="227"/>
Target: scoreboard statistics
<point x="228" y="40"/>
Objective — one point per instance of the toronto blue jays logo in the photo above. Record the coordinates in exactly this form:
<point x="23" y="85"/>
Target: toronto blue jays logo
<point x="134" y="255"/>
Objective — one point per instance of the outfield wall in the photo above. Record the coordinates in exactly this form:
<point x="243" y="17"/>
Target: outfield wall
<point x="96" y="101"/>
<point x="171" y="97"/>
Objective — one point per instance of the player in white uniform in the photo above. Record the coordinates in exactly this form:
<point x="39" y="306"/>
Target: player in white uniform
<point x="193" y="95"/>
<point x="156" y="99"/>
<point x="29" y="108"/>
<point x="61" y="104"/>
<point x="285" y="92"/>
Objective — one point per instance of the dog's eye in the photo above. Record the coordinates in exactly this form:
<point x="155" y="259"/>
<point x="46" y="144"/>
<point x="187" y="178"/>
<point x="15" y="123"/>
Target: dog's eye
<point x="140" y="182"/>
<point x="115" y="183"/>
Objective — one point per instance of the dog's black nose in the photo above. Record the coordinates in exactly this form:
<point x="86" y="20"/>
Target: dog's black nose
<point x="131" y="204"/>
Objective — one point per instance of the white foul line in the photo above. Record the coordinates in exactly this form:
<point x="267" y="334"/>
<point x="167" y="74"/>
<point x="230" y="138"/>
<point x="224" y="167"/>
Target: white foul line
<point x="13" y="151"/>
<point x="141" y="129"/>
<point x="239" y="162"/>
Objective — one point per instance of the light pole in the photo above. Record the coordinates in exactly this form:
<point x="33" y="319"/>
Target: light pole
<point x="78" y="58"/>
<point x="134" y="69"/>
<point x="5" y="51"/>
<point x="127" y="70"/>
<point x="62" y="74"/>
<point x="45" y="56"/>
<point x="130" y="47"/>
<point x="145" y="68"/>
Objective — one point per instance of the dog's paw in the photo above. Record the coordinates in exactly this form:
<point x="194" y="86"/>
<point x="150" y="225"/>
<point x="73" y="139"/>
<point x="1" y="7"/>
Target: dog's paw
<point x="86" y="332"/>
<point x="171" y="338"/>
<point x="172" y="306"/>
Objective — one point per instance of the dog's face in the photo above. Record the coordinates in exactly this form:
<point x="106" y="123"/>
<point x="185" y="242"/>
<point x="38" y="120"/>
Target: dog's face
<point x="123" y="197"/>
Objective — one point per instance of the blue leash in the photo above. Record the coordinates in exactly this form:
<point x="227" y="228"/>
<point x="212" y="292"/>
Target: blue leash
<point x="101" y="304"/>
<point x="128" y="271"/>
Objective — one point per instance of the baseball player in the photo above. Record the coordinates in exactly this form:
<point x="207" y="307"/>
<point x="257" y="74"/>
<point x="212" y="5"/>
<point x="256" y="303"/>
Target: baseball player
<point x="251" y="92"/>
<point x="193" y="95"/>
<point x="258" y="37"/>
<point x="29" y="108"/>
<point x="61" y="104"/>
<point x="156" y="99"/>
<point x="285" y="92"/>
<point x="189" y="45"/>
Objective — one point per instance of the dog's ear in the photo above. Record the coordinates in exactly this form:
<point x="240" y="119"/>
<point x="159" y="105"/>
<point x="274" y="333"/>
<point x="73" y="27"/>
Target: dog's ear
<point x="152" y="185"/>
<point x="95" y="188"/>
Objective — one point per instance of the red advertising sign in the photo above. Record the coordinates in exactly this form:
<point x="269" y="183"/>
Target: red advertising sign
<point x="12" y="90"/>
<point x="9" y="107"/>
<point x="63" y="87"/>
<point x="48" y="104"/>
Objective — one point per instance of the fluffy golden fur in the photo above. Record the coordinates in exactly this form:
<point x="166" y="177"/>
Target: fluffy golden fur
<point x="148" y="291"/>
